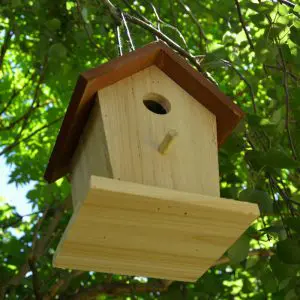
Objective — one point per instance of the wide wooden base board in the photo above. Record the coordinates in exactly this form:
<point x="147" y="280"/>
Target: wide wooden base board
<point x="133" y="229"/>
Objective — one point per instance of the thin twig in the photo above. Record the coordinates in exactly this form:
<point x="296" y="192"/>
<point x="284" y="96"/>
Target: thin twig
<point x="228" y="63"/>
<point x="292" y="75"/>
<point x="135" y="11"/>
<point x="5" y="45"/>
<point x="287" y="3"/>
<point x="285" y="86"/>
<point x="165" y="38"/>
<point x="41" y="245"/>
<point x="238" y="7"/>
<point x="78" y="6"/>
<point x="195" y="20"/>
<point x="132" y="47"/>
<point x="149" y="27"/>
<point x="16" y="221"/>
<point x="25" y="116"/>
<point x="163" y="23"/>
<point x="61" y="285"/>
<point x="119" y="40"/>
<point x="32" y="257"/>
<point x="17" y="142"/>
<point x="35" y="100"/>
<point x="16" y="93"/>
<point x="113" y="11"/>
<point x="283" y="195"/>
<point x="287" y="103"/>
<point x="278" y="206"/>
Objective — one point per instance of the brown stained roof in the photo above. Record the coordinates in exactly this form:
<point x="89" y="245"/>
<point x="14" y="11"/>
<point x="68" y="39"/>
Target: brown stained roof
<point x="227" y="113"/>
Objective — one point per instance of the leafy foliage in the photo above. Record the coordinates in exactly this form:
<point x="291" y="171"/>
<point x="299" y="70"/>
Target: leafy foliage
<point x="250" y="49"/>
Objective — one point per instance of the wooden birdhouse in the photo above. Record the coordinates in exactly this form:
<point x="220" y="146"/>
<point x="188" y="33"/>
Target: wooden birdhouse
<point x="140" y="139"/>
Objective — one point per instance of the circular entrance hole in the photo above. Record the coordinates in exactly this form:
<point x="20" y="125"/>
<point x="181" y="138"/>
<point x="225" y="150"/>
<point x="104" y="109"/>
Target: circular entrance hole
<point x="157" y="104"/>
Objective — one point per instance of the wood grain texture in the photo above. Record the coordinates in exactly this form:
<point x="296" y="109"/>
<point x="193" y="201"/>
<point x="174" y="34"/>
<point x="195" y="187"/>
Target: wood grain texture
<point x="91" y="156"/>
<point x="134" y="133"/>
<point x="134" y="229"/>
<point x="227" y="113"/>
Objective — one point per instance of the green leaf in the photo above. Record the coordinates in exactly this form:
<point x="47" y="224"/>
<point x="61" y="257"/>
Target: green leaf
<point x="293" y="223"/>
<point x="251" y="262"/>
<point x="291" y="295"/>
<point x="296" y="23"/>
<point x="53" y="24"/>
<point x="209" y="283"/>
<point x="278" y="114"/>
<point x="281" y="269"/>
<point x="269" y="282"/>
<point x="295" y="35"/>
<point x="297" y="8"/>
<point x="283" y="20"/>
<point x="239" y="250"/>
<point x="283" y="10"/>
<point x="263" y="7"/>
<point x="262" y="198"/>
<point x="276" y="231"/>
<point x="284" y="283"/>
<point x="278" y="159"/>
<point x="15" y="3"/>
<point x="296" y="198"/>
<point x="288" y="251"/>
<point x="273" y="158"/>
<point x="58" y="50"/>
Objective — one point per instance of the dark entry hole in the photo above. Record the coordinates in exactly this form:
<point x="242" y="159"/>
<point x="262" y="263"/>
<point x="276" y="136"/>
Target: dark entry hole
<point x="157" y="104"/>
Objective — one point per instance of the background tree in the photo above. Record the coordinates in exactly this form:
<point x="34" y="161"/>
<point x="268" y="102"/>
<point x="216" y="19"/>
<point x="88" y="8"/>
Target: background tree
<point x="249" y="48"/>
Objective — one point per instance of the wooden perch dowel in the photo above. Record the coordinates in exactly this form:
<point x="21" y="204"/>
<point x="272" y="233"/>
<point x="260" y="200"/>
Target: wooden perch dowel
<point x="167" y="141"/>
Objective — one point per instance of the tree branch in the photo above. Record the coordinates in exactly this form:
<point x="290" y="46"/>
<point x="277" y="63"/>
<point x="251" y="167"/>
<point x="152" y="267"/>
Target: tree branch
<point x="287" y="3"/>
<point x="61" y="285"/>
<point x="195" y="20"/>
<point x="17" y="142"/>
<point x="90" y="38"/>
<point x="35" y="278"/>
<point x="259" y="252"/>
<point x="230" y="64"/>
<point x="160" y="21"/>
<point x="165" y="38"/>
<point x="149" y="27"/>
<point x="16" y="93"/>
<point x="24" y="117"/>
<point x="5" y="45"/>
<point x="115" y="13"/>
<point x="40" y="247"/>
<point x="137" y="13"/>
<point x="238" y="7"/>
<point x="287" y="103"/>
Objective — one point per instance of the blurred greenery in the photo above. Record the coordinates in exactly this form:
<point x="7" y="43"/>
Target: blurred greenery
<point x="249" y="48"/>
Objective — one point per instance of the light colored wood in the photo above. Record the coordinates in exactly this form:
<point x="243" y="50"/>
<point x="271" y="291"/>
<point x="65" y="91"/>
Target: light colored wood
<point x="90" y="158"/>
<point x="122" y="137"/>
<point x="167" y="141"/>
<point x="133" y="135"/>
<point x="128" y="228"/>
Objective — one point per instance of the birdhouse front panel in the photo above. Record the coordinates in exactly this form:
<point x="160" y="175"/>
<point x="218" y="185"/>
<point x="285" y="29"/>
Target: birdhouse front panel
<point x="130" y="120"/>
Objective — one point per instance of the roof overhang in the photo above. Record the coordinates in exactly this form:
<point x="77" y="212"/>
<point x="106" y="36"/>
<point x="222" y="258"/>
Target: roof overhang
<point x="227" y="113"/>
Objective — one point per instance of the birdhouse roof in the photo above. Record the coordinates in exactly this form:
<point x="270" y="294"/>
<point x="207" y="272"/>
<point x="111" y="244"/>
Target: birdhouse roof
<point x="173" y="65"/>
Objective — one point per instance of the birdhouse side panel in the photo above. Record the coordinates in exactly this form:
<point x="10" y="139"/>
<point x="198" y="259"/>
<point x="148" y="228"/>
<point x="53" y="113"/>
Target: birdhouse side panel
<point x="91" y="156"/>
<point x="138" y="113"/>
